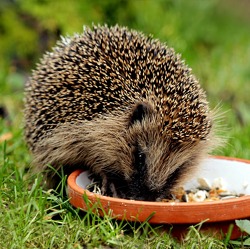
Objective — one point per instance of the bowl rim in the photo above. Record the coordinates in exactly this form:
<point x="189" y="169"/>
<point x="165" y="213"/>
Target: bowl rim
<point x="72" y="183"/>
<point x="177" y="208"/>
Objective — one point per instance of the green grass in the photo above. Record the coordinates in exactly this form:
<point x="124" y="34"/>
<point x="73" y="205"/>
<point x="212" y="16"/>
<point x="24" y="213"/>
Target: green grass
<point x="33" y="218"/>
<point x="215" y="44"/>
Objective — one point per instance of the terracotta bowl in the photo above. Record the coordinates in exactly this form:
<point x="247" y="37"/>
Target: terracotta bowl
<point x="219" y="215"/>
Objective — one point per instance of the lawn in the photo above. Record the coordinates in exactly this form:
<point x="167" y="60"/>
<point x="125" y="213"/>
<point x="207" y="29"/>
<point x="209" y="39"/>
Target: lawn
<point x="213" y="38"/>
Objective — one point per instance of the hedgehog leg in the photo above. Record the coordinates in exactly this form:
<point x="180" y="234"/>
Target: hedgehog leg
<point x="108" y="188"/>
<point x="104" y="184"/>
<point x="113" y="190"/>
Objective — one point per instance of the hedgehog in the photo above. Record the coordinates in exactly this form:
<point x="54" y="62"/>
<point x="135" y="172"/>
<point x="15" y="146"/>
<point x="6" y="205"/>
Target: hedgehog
<point x="122" y="105"/>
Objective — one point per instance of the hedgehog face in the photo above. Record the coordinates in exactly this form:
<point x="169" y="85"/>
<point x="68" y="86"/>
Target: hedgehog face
<point x="157" y="164"/>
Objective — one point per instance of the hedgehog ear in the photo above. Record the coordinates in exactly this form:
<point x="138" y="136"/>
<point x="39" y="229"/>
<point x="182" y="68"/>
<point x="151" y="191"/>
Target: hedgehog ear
<point x="140" y="111"/>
